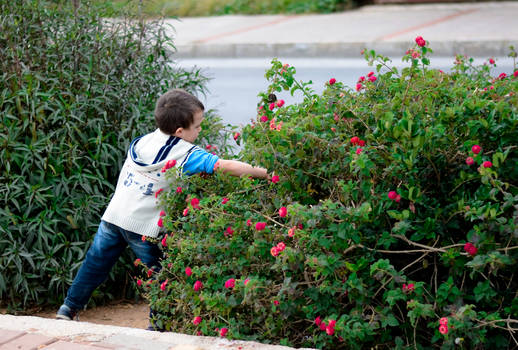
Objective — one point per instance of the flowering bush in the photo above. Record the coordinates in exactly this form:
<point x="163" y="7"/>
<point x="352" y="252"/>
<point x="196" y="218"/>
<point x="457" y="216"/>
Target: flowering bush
<point x="403" y="244"/>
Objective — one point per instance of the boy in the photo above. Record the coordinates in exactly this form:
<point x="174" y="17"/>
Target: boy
<point x="133" y="211"/>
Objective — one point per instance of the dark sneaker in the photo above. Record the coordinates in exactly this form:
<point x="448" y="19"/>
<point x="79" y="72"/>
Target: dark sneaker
<point x="67" y="313"/>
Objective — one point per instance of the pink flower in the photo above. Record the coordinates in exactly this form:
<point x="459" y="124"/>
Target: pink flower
<point x="163" y="285"/>
<point x="168" y="165"/>
<point x="502" y="76"/>
<point x="398" y="198"/>
<point x="185" y="211"/>
<point x="248" y="222"/>
<point x="415" y="54"/>
<point x="139" y="282"/>
<point x="318" y="321"/>
<point x="392" y="195"/>
<point x="443" y="321"/>
<point x="332" y="81"/>
<point x="196" y="321"/>
<point x="359" y="86"/>
<point x="158" y="192"/>
<point x="264" y="118"/>
<point x="323" y="326"/>
<point x="359" y="150"/>
<point x="491" y="87"/>
<point x="470" y="249"/>
<point x="361" y="79"/>
<point x="178" y="189"/>
<point x="162" y="213"/>
<point x="354" y="140"/>
<point x="274" y="251"/>
<point x="275" y="179"/>
<point x="420" y="41"/>
<point x="487" y="164"/>
<point x="361" y="143"/>
<point x="331" y="323"/>
<point x="149" y="272"/>
<point x="272" y="106"/>
<point x="230" y="283"/>
<point x="330" y="330"/>
<point x="283" y="212"/>
<point x="443" y="329"/>
<point x="224" y="200"/>
<point x="229" y="231"/>
<point x="410" y="287"/>
<point x="245" y="282"/>
<point x="208" y="147"/>
<point x="291" y="231"/>
<point x="223" y="331"/>
<point x="281" y="246"/>
<point x="188" y="271"/>
<point x="515" y="74"/>
<point x="260" y="226"/>
<point x="333" y="129"/>
<point x="143" y="238"/>
<point x="198" y="286"/>
<point x="195" y="202"/>
<point x="276" y="302"/>
<point x="236" y="136"/>
<point x="476" y="149"/>
<point x="370" y="74"/>
<point x="491" y="61"/>
<point x="164" y="241"/>
<point x="137" y="262"/>
<point x="372" y="78"/>
<point x="470" y="161"/>
<point x="160" y="222"/>
<point x="280" y="103"/>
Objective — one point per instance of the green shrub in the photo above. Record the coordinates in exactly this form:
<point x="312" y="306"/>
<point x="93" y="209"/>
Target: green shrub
<point x="74" y="91"/>
<point x="380" y="207"/>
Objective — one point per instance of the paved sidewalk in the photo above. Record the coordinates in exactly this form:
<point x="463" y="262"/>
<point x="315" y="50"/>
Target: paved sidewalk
<point x="476" y="29"/>
<point x="31" y="333"/>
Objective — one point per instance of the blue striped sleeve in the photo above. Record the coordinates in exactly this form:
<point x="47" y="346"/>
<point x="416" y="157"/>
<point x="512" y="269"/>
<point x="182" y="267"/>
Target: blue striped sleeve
<point x="200" y="161"/>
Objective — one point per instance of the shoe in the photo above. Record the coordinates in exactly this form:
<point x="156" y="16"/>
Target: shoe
<point x="67" y="313"/>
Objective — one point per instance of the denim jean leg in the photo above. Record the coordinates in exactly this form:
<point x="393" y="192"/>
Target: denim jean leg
<point x="106" y="248"/>
<point x="146" y="251"/>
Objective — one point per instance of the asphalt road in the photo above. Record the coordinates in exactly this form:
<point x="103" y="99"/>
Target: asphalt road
<point x="236" y="83"/>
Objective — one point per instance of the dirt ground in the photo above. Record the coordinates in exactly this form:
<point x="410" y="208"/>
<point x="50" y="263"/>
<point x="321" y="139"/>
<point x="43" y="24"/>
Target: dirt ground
<point x="123" y="313"/>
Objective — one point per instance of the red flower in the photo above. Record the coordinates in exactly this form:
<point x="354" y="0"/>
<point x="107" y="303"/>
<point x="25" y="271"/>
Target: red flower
<point x="515" y="74"/>
<point x="318" y="321"/>
<point x="188" y="271"/>
<point x="276" y="302"/>
<point x="443" y="321"/>
<point x="487" y="164"/>
<point x="470" y="249"/>
<point x="185" y="211"/>
<point x="223" y="331"/>
<point x="280" y="103"/>
<point x="245" y="282"/>
<point x="264" y="118"/>
<point x="475" y="149"/>
<point x="248" y="222"/>
<point x="331" y="323"/>
<point x="491" y="61"/>
<point x="359" y="87"/>
<point x="224" y="200"/>
<point x="332" y="81"/>
<point x="196" y="321"/>
<point x="230" y="283"/>
<point x="178" y="189"/>
<point x="208" y="147"/>
<point x="443" y="329"/>
<point x="370" y="74"/>
<point x="272" y="106"/>
<point x="398" y="198"/>
<point x="164" y="241"/>
<point x="408" y="288"/>
<point x="470" y="161"/>
<point x="198" y="286"/>
<point x="195" y="202"/>
<point x="361" y="79"/>
<point x="361" y="143"/>
<point x="162" y="286"/>
<point x="420" y="41"/>
<point x="323" y="326"/>
<point x="236" y="136"/>
<point x="415" y="54"/>
<point x="139" y="282"/>
<point x="260" y="226"/>
<point x="162" y="213"/>
<point x="300" y="226"/>
<point x="359" y="150"/>
<point x="137" y="262"/>
<point x="229" y="231"/>
<point x="283" y="212"/>
<point x="392" y="195"/>
<point x="149" y="272"/>
<point x="275" y="179"/>
<point x="354" y="140"/>
<point x="274" y="251"/>
<point x="160" y="222"/>
<point x="169" y="164"/>
<point x="143" y="238"/>
<point x="158" y="192"/>
<point x="330" y="330"/>
<point x="372" y="78"/>
<point x="281" y="246"/>
<point x="502" y="76"/>
<point x="291" y="231"/>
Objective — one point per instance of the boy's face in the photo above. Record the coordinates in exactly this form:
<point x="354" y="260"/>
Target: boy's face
<point x="190" y="134"/>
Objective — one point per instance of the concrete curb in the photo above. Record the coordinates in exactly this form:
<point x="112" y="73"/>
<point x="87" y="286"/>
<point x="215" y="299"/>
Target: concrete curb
<point x="123" y="338"/>
<point x="474" y="48"/>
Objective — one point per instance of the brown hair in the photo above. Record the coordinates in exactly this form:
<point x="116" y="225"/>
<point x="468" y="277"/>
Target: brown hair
<point x="175" y="109"/>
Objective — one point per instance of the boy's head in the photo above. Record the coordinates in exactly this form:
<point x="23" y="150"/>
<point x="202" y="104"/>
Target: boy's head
<point x="179" y="113"/>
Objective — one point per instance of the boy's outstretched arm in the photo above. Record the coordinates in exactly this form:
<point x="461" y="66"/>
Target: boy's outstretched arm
<point x="237" y="168"/>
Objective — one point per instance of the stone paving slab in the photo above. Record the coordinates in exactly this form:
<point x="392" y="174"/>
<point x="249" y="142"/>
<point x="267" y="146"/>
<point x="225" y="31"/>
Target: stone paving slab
<point x="28" y="341"/>
<point x="8" y="335"/>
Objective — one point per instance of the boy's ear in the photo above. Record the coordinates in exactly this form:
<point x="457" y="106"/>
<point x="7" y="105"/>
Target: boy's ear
<point x="178" y="132"/>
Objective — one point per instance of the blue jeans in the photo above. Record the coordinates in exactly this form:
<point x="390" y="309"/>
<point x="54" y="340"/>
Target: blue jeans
<point x="108" y="244"/>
